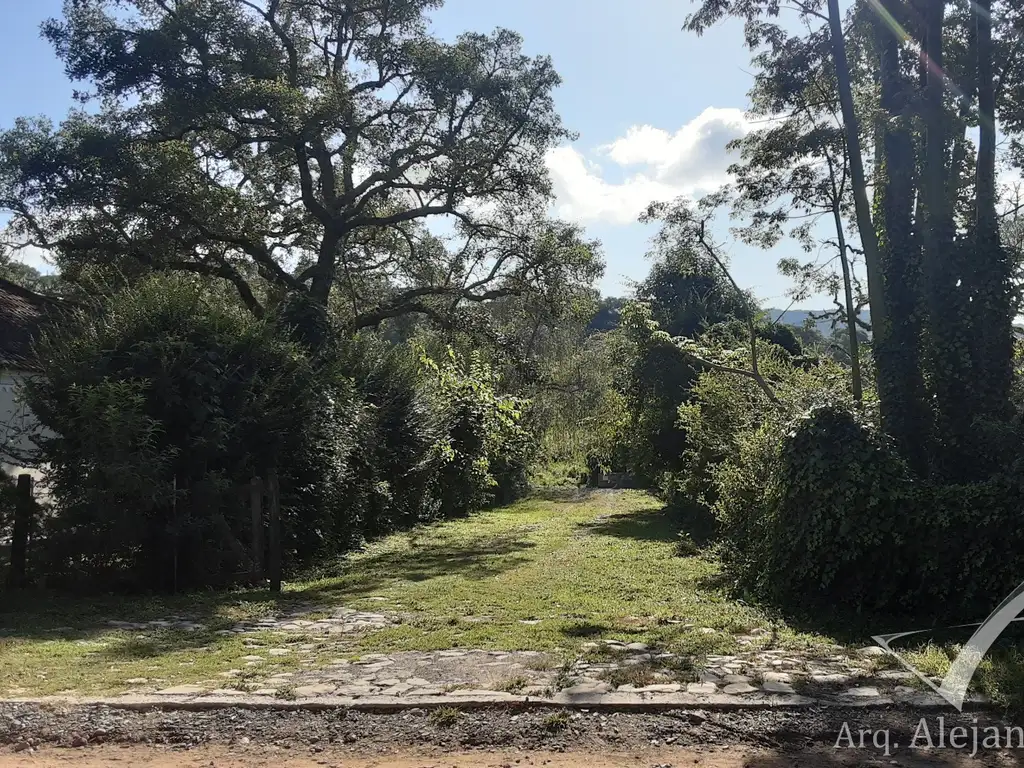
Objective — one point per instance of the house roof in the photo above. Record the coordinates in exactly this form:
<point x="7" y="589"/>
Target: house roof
<point x="22" y="315"/>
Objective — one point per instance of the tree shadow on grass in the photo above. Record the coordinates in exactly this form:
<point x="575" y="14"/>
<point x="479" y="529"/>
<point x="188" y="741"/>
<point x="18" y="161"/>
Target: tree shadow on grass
<point x="585" y="629"/>
<point x="477" y="559"/>
<point x="567" y="494"/>
<point x="47" y="616"/>
<point x="691" y="523"/>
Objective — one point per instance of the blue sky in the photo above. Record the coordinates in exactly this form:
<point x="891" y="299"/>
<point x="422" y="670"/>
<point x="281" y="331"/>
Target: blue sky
<point x="653" y="107"/>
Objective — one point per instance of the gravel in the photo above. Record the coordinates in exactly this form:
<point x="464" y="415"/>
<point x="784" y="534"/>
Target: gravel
<point x="27" y="727"/>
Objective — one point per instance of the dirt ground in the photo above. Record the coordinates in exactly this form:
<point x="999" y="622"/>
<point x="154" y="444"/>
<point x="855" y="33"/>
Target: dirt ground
<point x="130" y="756"/>
<point x="33" y="736"/>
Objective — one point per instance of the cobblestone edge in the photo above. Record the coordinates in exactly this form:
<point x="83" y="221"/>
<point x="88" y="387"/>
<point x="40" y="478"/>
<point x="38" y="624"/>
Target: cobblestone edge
<point x="616" y="701"/>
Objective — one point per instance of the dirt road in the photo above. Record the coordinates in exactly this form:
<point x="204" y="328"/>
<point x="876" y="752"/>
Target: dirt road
<point x="33" y="736"/>
<point x="238" y="757"/>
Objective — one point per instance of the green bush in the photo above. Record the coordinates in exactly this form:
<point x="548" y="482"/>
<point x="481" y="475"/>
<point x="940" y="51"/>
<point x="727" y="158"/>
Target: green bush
<point x="485" y="453"/>
<point x="820" y="511"/>
<point x="726" y="410"/>
<point x="162" y="405"/>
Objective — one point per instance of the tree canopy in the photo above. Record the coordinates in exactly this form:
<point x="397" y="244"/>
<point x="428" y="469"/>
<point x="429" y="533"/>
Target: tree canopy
<point x="331" y="148"/>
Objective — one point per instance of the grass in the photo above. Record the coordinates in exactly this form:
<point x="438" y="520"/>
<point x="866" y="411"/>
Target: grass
<point x="445" y="717"/>
<point x="547" y="574"/>
<point x="557" y="721"/>
<point x="513" y="685"/>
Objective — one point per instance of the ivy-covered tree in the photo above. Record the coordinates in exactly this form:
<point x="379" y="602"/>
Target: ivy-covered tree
<point x="296" y="146"/>
<point x="912" y="81"/>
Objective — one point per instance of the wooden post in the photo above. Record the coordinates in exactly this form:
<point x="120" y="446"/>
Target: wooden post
<point x="16" y="577"/>
<point x="274" y="505"/>
<point x="256" y="509"/>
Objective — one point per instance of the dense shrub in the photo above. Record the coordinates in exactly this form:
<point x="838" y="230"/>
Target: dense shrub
<point x="164" y="405"/>
<point x="725" y="410"/>
<point x="485" y="454"/>
<point x="822" y="512"/>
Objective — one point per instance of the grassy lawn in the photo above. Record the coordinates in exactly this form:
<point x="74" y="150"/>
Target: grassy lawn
<point x="543" y="574"/>
<point x="546" y="574"/>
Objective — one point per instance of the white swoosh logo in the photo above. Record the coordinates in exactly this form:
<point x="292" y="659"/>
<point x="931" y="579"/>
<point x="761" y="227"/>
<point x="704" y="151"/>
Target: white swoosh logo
<point x="953" y="687"/>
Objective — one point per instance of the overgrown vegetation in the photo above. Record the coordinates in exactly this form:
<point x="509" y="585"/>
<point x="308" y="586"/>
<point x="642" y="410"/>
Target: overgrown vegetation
<point x="314" y="239"/>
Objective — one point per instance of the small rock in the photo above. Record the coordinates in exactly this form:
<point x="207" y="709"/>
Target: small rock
<point x="736" y="689"/>
<point x="872" y="650"/>
<point x="183" y="690"/>
<point x="587" y="687"/>
<point x="736" y="679"/>
<point x="830" y="679"/>
<point x="895" y="675"/>
<point x="244" y="740"/>
<point x="862" y="693"/>
<point x="661" y="688"/>
<point x="79" y="741"/>
<point x="701" y="689"/>
<point x="640" y="647"/>
<point x="775" y="686"/>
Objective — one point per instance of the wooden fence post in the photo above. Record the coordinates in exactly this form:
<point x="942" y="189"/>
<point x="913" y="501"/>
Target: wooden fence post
<point x="256" y="509"/>
<point x="16" y="577"/>
<point x="274" y="504"/>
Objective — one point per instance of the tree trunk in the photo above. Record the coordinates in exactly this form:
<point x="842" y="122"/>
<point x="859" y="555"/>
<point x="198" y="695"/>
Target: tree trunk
<point x="992" y="330"/>
<point x="947" y="321"/>
<point x="897" y="349"/>
<point x="326" y="267"/>
<point x="851" y="310"/>
<point x="869" y="241"/>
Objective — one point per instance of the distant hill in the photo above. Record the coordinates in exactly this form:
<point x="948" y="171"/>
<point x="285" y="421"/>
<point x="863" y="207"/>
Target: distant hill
<point x="797" y="317"/>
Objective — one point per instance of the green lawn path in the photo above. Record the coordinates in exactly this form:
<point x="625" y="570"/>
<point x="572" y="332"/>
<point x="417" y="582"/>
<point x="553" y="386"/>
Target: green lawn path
<point x="547" y="574"/>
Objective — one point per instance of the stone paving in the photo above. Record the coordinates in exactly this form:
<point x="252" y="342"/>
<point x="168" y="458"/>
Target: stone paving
<point x="339" y="621"/>
<point x="626" y="672"/>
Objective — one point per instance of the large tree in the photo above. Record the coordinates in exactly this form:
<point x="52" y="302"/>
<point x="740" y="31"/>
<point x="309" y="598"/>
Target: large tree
<point x="913" y="79"/>
<point x="297" y="146"/>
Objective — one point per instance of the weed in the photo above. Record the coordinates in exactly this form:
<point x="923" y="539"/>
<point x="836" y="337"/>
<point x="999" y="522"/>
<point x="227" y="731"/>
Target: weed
<point x="637" y="675"/>
<point x="556" y="721"/>
<point x="512" y="685"/>
<point x="445" y="717"/>
<point x="286" y="692"/>
<point x="564" y="679"/>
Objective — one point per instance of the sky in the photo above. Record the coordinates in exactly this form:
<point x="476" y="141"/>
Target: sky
<point x="653" y="106"/>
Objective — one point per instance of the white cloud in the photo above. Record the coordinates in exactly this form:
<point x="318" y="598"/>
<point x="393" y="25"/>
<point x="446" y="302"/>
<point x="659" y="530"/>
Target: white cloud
<point x="582" y="194"/>
<point x="666" y="165"/>
<point x="35" y="257"/>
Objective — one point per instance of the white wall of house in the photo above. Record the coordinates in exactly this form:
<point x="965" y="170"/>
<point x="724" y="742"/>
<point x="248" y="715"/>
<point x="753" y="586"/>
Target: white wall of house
<point x="18" y="428"/>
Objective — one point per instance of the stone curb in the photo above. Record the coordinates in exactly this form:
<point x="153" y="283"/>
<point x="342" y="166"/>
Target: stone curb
<point x="618" y="702"/>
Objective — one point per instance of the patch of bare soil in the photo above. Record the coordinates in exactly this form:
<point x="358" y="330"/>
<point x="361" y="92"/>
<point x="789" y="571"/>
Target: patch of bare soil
<point x="89" y="737"/>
